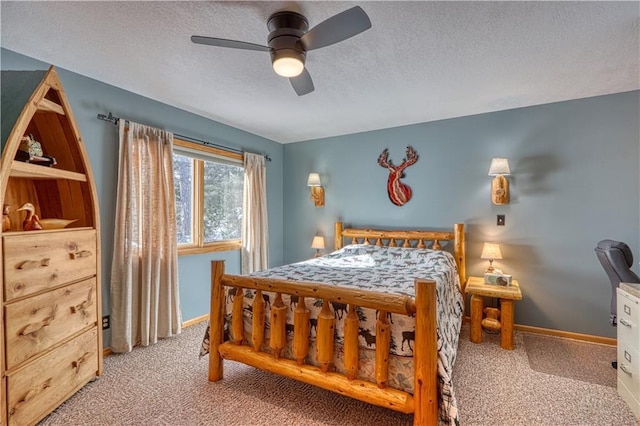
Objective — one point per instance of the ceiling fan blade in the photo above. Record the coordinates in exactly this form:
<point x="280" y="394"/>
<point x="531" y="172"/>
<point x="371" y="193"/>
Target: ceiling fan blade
<point x="302" y="83"/>
<point x="234" y="44"/>
<point x="339" y="27"/>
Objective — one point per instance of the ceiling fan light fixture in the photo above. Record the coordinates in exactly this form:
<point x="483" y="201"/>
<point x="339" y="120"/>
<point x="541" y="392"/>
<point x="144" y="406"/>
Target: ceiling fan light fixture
<point x="289" y="63"/>
<point x="290" y="39"/>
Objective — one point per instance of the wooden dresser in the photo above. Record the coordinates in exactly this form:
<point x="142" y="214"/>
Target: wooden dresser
<point x="50" y="339"/>
<point x="628" y="307"/>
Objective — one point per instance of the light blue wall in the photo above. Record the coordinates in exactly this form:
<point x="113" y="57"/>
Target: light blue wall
<point x="88" y="98"/>
<point x="575" y="181"/>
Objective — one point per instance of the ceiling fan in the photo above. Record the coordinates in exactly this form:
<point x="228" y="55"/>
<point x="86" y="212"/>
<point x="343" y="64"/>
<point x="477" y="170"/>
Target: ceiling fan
<point x="289" y="41"/>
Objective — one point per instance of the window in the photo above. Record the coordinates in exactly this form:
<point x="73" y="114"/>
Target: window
<point x="208" y="186"/>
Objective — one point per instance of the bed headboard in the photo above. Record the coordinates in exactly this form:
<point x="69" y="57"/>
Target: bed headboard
<point x="408" y="238"/>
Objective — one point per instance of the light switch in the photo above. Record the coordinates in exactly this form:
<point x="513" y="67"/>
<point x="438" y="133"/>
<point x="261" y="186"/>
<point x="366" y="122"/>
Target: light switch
<point x="500" y="220"/>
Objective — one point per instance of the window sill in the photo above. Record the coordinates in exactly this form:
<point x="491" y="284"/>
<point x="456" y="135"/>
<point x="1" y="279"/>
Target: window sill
<point x="210" y="248"/>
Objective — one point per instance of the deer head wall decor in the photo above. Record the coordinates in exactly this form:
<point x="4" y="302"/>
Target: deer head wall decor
<point x="399" y="193"/>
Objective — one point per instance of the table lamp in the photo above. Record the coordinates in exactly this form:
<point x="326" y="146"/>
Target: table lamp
<point x="318" y="244"/>
<point x="491" y="252"/>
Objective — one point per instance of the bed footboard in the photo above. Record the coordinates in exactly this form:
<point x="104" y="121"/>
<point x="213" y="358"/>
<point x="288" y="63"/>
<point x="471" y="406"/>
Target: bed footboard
<point x="423" y="403"/>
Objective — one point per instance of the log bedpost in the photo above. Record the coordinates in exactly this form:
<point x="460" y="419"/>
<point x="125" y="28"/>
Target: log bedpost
<point x="425" y="355"/>
<point x="459" y="252"/>
<point x="216" y="320"/>
<point x="338" y="236"/>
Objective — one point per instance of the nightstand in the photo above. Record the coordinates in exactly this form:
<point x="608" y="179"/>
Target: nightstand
<point x="507" y="294"/>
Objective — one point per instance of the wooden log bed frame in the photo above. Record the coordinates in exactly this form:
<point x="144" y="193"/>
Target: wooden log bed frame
<point x="424" y="401"/>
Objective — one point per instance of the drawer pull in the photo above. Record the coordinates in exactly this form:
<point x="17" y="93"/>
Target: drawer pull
<point x="77" y="363"/>
<point x="82" y="307"/>
<point x="80" y="254"/>
<point x="31" y="330"/>
<point x="623" y="322"/>
<point x="29" y="264"/>
<point x="32" y="393"/>
<point x="624" y="369"/>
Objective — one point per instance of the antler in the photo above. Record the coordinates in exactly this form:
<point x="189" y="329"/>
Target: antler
<point x="412" y="157"/>
<point x="383" y="159"/>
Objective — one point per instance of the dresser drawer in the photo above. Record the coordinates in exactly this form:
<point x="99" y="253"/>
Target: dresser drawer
<point x="628" y="319"/>
<point x="35" y="324"/>
<point x="44" y="260"/>
<point x="33" y="391"/>
<point x="629" y="367"/>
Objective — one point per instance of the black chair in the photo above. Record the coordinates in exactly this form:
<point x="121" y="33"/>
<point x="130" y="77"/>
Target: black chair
<point x="616" y="259"/>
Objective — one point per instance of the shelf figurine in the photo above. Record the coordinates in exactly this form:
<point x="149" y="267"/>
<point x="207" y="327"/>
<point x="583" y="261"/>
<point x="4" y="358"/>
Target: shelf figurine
<point x="30" y="151"/>
<point x="31" y="146"/>
<point x="6" y="220"/>
<point x="31" y="221"/>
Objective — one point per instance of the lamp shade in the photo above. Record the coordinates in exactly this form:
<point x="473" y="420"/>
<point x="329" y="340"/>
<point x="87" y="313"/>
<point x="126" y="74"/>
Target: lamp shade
<point x="318" y="242"/>
<point x="491" y="251"/>
<point x="499" y="166"/>
<point x="314" y="180"/>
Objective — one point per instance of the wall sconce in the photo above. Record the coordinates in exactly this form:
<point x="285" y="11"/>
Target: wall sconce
<point x="491" y="252"/>
<point x="317" y="191"/>
<point x="318" y="244"/>
<point x="500" y="185"/>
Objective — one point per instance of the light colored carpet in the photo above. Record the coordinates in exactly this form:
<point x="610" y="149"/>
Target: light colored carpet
<point x="498" y="387"/>
<point x="571" y="358"/>
<point x="167" y="385"/>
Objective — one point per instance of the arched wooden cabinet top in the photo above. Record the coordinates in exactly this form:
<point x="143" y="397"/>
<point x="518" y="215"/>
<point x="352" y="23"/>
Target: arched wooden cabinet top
<point x="34" y="104"/>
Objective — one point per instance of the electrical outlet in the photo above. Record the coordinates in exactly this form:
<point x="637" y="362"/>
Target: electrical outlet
<point x="500" y="220"/>
<point x="106" y="322"/>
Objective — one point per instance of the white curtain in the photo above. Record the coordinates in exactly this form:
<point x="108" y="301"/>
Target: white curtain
<point x="145" y="304"/>
<point x="255" y="228"/>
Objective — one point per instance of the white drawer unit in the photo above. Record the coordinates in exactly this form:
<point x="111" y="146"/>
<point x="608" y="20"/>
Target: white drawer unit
<point x="628" y="301"/>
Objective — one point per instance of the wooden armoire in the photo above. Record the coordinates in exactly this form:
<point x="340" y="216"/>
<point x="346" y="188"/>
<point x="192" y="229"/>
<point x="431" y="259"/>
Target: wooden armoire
<point x="50" y="334"/>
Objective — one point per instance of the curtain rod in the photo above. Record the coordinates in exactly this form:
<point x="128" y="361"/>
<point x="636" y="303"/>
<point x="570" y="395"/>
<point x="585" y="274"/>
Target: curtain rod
<point x="113" y="119"/>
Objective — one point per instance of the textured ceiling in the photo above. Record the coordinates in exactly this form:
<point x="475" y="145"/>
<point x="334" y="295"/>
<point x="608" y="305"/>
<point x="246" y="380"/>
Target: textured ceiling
<point x="420" y="61"/>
